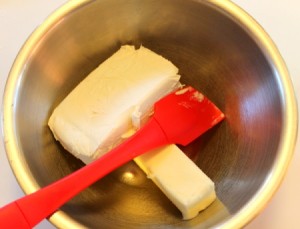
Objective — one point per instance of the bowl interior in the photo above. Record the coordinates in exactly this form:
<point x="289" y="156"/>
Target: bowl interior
<point x="214" y="53"/>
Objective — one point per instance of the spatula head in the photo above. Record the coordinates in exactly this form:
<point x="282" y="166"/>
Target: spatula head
<point x="186" y="114"/>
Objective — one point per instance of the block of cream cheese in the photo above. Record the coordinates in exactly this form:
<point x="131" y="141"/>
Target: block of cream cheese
<point x="92" y="118"/>
<point x="179" y="178"/>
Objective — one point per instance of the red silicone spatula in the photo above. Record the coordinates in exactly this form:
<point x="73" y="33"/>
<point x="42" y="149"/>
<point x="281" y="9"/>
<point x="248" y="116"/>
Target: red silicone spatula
<point x="179" y="118"/>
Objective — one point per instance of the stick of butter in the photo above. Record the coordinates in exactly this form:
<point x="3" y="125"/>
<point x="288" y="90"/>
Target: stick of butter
<point x="179" y="179"/>
<point x="113" y="100"/>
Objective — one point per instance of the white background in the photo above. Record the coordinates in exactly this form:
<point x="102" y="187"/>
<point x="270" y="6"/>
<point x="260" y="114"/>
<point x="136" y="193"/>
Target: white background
<point x="280" y="18"/>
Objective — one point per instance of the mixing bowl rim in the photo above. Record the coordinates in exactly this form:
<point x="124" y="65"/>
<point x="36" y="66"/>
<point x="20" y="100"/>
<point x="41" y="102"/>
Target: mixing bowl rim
<point x="287" y="144"/>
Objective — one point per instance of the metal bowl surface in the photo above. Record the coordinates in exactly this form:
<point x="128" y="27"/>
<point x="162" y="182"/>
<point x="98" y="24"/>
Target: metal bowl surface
<point x="218" y="48"/>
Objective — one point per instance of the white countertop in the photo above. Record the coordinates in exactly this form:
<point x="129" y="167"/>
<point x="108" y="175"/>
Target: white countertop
<point x="281" y="19"/>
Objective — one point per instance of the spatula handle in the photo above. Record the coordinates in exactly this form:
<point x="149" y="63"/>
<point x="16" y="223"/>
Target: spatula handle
<point x="28" y="211"/>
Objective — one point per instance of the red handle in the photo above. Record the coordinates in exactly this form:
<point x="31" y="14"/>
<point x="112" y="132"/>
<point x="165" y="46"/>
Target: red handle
<point x="11" y="216"/>
<point x="28" y="211"/>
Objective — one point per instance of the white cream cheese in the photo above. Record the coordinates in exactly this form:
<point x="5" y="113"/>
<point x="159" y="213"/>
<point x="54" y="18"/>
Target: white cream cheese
<point x="93" y="117"/>
<point x="179" y="179"/>
<point x="114" y="100"/>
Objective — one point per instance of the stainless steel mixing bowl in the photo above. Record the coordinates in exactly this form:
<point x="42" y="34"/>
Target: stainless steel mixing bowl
<point x="218" y="48"/>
